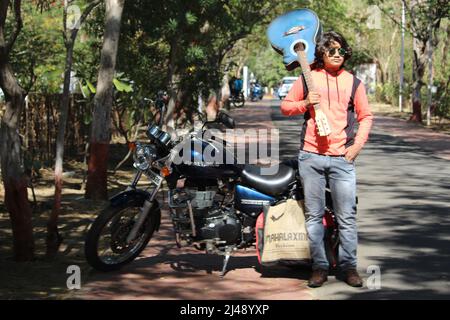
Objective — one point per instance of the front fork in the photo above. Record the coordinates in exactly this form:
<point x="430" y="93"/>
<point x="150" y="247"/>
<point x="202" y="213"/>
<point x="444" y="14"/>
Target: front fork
<point x="145" y="209"/>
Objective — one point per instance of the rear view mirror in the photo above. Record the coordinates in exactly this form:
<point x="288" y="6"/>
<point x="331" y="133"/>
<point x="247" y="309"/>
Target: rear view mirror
<point x="225" y="119"/>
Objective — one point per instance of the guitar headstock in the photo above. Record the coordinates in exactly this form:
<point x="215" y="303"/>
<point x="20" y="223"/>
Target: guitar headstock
<point x="296" y="27"/>
<point x="322" y="124"/>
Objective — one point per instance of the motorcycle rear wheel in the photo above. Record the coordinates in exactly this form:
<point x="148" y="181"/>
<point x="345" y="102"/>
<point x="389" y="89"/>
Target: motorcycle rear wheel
<point x="239" y="101"/>
<point x="112" y="223"/>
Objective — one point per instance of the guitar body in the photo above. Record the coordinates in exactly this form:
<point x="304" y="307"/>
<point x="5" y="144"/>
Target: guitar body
<point x="294" y="35"/>
<point x="286" y="31"/>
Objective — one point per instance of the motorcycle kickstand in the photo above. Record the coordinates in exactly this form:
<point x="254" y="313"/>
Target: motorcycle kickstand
<point x="225" y="263"/>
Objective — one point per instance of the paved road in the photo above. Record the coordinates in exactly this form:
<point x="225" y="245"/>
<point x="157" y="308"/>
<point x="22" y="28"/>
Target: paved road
<point x="165" y="272"/>
<point x="404" y="225"/>
<point x="403" y="210"/>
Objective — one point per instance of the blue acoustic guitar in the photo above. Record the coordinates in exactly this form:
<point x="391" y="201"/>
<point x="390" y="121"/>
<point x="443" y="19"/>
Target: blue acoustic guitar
<point x="294" y="35"/>
<point x="294" y="27"/>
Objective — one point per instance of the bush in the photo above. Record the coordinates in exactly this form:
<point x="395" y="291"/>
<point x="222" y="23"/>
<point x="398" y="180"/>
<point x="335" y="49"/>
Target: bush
<point x="441" y="101"/>
<point x="388" y="93"/>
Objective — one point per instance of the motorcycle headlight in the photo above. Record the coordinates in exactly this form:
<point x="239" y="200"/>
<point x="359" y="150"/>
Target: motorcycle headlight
<point x="144" y="156"/>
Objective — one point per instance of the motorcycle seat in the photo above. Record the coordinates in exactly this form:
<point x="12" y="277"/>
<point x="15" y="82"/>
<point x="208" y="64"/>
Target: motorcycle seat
<point x="273" y="184"/>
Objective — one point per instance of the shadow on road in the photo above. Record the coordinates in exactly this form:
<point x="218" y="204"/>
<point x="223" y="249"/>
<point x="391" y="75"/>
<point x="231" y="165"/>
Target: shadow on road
<point x="403" y="215"/>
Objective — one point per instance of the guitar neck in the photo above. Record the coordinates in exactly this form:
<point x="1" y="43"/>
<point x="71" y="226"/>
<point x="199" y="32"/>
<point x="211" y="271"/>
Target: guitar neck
<point x="306" y="69"/>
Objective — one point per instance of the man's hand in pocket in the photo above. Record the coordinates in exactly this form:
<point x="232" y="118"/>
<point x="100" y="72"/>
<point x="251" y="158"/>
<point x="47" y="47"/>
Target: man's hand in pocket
<point x="352" y="152"/>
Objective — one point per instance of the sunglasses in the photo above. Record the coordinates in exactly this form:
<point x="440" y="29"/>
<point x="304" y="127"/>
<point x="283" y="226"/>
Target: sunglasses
<point x="342" y="52"/>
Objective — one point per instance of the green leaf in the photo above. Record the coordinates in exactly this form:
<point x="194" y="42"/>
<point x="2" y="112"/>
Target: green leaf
<point x="85" y="91"/>
<point x="172" y="24"/>
<point x="194" y="53"/>
<point x="191" y="18"/>
<point x="91" y="86"/>
<point x="122" y="86"/>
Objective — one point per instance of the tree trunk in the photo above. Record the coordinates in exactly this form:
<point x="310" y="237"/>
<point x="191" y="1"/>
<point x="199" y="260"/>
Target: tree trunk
<point x="381" y="72"/>
<point x="13" y="176"/>
<point x="96" y="187"/>
<point x="387" y="74"/>
<point x="419" y="64"/>
<point x="14" y="179"/>
<point x="446" y="45"/>
<point x="225" y="93"/>
<point x="172" y="83"/>
<point x="53" y="239"/>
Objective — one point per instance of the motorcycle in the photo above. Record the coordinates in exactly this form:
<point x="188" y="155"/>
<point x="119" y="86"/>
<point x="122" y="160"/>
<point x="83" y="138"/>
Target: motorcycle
<point x="213" y="207"/>
<point x="256" y="92"/>
<point x="237" y="99"/>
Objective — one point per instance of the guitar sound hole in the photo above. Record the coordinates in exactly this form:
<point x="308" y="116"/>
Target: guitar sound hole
<point x="300" y="47"/>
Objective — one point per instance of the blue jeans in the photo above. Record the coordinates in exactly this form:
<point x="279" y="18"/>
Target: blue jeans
<point x="315" y="170"/>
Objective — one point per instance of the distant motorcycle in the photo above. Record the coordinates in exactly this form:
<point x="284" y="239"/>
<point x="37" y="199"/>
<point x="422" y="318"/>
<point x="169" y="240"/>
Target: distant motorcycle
<point x="213" y="207"/>
<point x="237" y="98"/>
<point x="256" y="92"/>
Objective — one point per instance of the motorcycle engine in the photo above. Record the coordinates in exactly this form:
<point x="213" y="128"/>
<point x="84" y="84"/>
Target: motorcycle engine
<point x="211" y="220"/>
<point x="220" y="223"/>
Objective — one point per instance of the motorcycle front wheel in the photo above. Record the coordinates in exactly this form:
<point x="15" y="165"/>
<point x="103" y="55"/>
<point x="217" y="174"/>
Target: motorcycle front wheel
<point x="106" y="247"/>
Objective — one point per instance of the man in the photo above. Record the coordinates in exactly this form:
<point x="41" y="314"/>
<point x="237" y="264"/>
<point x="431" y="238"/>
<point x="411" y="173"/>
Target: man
<point x="331" y="158"/>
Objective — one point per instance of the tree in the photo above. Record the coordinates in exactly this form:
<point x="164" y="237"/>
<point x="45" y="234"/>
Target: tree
<point x="425" y="18"/>
<point x="185" y="44"/>
<point x="14" y="178"/>
<point x="38" y="49"/>
<point x="228" y="27"/>
<point x="96" y="187"/>
<point x="70" y="35"/>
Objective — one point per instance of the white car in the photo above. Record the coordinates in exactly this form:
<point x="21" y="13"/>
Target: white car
<point x="286" y="85"/>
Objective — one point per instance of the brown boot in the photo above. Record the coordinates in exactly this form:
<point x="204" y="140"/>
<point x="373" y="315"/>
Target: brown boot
<point x="352" y="278"/>
<point x="318" y="277"/>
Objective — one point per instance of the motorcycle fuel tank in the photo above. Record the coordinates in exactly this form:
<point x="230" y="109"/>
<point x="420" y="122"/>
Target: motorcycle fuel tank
<point x="207" y="159"/>
<point x="251" y="201"/>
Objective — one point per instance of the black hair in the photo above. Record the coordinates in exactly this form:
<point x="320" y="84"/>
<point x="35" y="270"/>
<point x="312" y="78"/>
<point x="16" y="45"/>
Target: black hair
<point x="325" y="44"/>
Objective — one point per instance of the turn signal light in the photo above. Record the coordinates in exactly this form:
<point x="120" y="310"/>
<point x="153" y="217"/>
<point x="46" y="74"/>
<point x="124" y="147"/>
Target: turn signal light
<point x="132" y="146"/>
<point x="165" y="172"/>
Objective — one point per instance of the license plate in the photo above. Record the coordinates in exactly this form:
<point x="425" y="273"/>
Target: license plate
<point x="154" y="178"/>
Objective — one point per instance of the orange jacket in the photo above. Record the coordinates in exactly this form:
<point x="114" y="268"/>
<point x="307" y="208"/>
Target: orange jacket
<point x="335" y="101"/>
